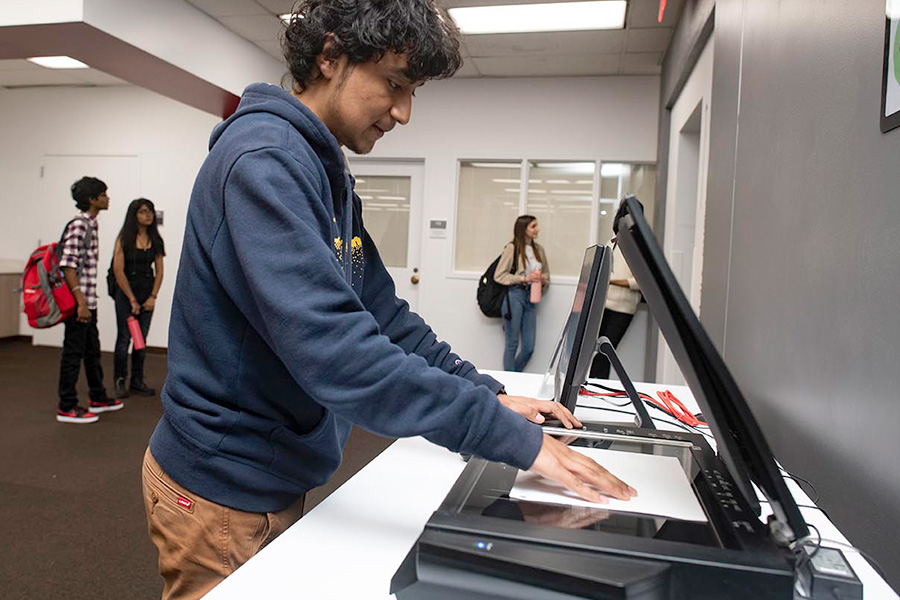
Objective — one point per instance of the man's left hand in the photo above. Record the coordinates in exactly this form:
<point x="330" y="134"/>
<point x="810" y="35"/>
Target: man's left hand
<point x="534" y="410"/>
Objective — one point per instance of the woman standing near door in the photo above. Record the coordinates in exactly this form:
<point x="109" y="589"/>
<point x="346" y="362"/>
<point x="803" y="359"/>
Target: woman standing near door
<point x="138" y="267"/>
<point x="518" y="309"/>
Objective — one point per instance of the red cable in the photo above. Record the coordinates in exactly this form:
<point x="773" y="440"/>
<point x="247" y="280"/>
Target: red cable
<point x="668" y="403"/>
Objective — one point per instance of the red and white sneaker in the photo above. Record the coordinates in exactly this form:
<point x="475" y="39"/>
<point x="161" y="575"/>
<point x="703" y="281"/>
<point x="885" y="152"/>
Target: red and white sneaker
<point x="107" y="405"/>
<point x="76" y="415"/>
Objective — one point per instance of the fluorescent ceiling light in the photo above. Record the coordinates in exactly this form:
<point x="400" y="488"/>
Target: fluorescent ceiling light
<point x="58" y="62"/>
<point x="525" y="18"/>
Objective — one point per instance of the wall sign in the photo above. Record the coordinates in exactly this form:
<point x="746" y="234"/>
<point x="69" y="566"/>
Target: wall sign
<point x="890" y="86"/>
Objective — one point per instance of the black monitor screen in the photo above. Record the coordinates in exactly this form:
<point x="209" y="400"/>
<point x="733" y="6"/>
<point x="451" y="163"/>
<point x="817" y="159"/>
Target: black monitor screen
<point x="575" y="349"/>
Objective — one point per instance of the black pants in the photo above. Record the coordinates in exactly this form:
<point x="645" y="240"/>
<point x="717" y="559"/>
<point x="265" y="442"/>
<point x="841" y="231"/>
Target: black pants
<point x="123" y="339"/>
<point x="613" y="325"/>
<point x="81" y="343"/>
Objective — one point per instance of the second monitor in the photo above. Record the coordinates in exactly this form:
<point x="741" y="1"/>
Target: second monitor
<point x="577" y="343"/>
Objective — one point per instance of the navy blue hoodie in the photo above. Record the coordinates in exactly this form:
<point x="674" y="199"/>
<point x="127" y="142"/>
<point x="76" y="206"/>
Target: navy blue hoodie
<point x="286" y="330"/>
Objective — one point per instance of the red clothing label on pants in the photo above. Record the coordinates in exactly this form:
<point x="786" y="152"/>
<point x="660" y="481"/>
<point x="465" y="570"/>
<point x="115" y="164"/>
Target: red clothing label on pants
<point x="185" y="502"/>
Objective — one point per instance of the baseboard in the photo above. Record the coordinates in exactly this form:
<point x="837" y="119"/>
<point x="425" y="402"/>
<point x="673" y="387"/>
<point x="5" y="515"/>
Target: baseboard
<point x="16" y="338"/>
<point x="157" y="350"/>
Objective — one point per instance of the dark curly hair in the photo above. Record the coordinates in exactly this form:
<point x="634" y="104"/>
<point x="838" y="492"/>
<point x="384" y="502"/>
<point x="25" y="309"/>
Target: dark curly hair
<point x="368" y="29"/>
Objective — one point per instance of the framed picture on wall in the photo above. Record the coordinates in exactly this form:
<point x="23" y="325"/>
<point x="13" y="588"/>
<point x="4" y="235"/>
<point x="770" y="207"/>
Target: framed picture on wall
<point x="890" y="85"/>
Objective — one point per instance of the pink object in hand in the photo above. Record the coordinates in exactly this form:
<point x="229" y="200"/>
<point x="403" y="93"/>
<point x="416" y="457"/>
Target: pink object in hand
<point x="137" y="338"/>
<point x="536" y="288"/>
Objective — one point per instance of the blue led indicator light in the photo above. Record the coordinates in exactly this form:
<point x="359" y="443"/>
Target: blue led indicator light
<point x="480" y="545"/>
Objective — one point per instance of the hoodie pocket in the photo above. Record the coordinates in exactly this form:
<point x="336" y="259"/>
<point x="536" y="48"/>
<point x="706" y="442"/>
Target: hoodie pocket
<point x="249" y="439"/>
<point x="308" y="457"/>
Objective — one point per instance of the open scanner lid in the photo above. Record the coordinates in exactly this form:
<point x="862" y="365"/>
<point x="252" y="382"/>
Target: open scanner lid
<point x="740" y="441"/>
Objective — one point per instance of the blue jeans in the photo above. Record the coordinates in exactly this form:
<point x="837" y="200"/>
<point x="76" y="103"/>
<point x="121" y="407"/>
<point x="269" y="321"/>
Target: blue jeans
<point x="521" y="323"/>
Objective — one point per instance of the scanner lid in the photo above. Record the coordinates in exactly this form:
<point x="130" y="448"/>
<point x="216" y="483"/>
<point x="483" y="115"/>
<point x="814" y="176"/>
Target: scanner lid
<point x="740" y="440"/>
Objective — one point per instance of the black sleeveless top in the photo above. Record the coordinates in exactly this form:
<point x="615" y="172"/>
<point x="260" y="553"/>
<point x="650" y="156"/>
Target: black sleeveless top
<point x="139" y="263"/>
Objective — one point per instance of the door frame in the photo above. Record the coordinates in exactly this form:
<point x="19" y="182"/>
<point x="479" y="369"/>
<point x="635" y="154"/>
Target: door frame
<point x="696" y="94"/>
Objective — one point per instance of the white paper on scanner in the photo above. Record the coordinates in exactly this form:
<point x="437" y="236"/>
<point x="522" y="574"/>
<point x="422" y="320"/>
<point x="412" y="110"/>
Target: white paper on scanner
<point x="662" y="485"/>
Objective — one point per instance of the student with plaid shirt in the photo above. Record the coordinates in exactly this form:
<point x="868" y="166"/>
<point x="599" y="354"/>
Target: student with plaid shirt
<point x="82" y="340"/>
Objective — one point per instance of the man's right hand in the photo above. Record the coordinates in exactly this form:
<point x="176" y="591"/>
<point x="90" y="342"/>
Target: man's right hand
<point x="84" y="313"/>
<point x="579" y="473"/>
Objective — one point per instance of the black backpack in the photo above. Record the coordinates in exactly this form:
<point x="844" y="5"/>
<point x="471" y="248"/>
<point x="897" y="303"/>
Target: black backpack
<point x="491" y="294"/>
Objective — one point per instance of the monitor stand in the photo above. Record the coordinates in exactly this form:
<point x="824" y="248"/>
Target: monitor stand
<point x="605" y="347"/>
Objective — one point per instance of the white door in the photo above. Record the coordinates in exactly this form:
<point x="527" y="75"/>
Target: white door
<point x="686" y="194"/>
<point x="391" y="194"/>
<point x="122" y="176"/>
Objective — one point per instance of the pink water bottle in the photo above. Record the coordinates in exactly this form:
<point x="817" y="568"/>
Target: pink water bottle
<point x="137" y="338"/>
<point x="536" y="285"/>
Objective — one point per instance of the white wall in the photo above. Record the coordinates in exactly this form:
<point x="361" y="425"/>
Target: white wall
<point x="609" y="118"/>
<point x="169" y="139"/>
<point x="589" y="118"/>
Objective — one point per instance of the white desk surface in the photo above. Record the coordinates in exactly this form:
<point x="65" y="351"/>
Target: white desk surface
<point x="350" y="545"/>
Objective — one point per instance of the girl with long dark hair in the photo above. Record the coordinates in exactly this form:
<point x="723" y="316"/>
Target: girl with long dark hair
<point x="518" y="310"/>
<point x="138" y="267"/>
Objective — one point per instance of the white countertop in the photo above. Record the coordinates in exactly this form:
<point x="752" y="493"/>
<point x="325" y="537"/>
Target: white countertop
<point x="350" y="545"/>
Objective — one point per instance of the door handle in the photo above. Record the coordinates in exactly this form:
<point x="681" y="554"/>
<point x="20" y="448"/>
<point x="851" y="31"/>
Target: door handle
<point x="415" y="278"/>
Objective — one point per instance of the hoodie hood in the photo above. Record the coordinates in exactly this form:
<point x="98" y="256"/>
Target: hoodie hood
<point x="267" y="98"/>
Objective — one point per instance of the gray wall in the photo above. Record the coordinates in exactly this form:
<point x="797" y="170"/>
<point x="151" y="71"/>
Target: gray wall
<point x="802" y="251"/>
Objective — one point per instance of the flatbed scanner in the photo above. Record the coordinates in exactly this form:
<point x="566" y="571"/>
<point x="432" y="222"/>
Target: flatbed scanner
<point x="483" y="544"/>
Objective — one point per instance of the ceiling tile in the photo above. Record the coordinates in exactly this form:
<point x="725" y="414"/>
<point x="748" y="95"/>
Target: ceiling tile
<point x="553" y="43"/>
<point x="279" y="7"/>
<point x="256" y="28"/>
<point x="273" y="47"/>
<point x="641" y="63"/>
<point x="644" y="13"/>
<point x="548" y="66"/>
<point x="42" y="77"/>
<point x="229" y="8"/>
<point x="468" y="70"/>
<point x="648" y="40"/>
<point x="19" y="64"/>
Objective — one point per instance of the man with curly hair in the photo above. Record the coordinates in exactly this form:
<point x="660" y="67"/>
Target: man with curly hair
<point x="285" y="327"/>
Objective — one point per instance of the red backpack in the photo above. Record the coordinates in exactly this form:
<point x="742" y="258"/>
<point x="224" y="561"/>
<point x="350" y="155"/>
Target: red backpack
<point x="46" y="296"/>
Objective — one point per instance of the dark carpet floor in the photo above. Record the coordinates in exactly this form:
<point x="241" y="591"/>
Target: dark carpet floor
<point x="71" y="517"/>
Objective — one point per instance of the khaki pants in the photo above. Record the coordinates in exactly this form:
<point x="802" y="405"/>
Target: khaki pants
<point x="200" y="542"/>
